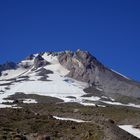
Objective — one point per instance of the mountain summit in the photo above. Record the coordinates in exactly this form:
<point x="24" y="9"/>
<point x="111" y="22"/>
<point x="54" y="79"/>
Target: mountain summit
<point x="67" y="73"/>
<point x="85" y="67"/>
<point x="67" y="95"/>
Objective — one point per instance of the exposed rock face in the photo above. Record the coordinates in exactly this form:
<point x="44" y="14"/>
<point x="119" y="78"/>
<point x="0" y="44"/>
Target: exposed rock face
<point x="39" y="61"/>
<point x="30" y="57"/>
<point x="84" y="67"/>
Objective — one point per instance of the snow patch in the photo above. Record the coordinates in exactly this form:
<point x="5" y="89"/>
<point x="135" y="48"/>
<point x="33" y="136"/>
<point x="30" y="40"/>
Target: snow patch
<point x="50" y="58"/>
<point x="130" y="129"/>
<point x="8" y="106"/>
<point x="93" y="98"/>
<point x="111" y="99"/>
<point x="69" y="119"/>
<point x="99" y="89"/>
<point x="121" y="104"/>
<point x="29" y="101"/>
<point x="120" y="74"/>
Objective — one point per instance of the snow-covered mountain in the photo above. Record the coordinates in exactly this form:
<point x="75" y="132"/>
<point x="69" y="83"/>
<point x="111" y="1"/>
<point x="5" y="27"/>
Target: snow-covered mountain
<point x="70" y="76"/>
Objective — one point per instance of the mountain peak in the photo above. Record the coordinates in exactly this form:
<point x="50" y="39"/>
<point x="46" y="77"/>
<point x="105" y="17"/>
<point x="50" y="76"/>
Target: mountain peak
<point x="79" y="65"/>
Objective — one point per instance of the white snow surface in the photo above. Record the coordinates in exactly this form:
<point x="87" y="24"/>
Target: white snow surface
<point x="69" y="119"/>
<point x="130" y="129"/>
<point x="29" y="101"/>
<point x="8" y="106"/>
<point x="120" y="74"/>
<point x="50" y="58"/>
<point x="121" y="104"/>
<point x="9" y="74"/>
<point x="99" y="89"/>
<point x="58" y="86"/>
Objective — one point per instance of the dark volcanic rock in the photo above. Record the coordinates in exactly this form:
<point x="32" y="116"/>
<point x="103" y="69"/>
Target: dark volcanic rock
<point x="40" y="61"/>
<point x="43" y="72"/>
<point x="30" y="57"/>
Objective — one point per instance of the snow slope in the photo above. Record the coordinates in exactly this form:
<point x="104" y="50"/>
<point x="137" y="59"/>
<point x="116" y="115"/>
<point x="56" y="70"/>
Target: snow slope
<point x="9" y="74"/>
<point x="58" y="86"/>
<point x="130" y="129"/>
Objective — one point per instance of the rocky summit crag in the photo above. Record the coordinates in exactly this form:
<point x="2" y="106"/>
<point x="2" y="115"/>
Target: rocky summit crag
<point x="85" y="67"/>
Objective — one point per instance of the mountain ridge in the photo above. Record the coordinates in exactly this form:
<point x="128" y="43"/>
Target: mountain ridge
<point x="71" y="86"/>
<point x="83" y="66"/>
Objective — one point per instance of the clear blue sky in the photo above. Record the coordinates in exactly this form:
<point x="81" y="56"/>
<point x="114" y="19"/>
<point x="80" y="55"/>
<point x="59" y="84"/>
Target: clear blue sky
<point x="109" y="29"/>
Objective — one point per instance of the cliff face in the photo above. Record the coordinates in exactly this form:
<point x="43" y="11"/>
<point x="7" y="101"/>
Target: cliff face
<point x="85" y="67"/>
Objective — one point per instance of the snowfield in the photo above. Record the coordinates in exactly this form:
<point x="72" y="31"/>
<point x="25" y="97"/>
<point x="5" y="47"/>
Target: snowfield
<point x="130" y="129"/>
<point x="58" y="86"/>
